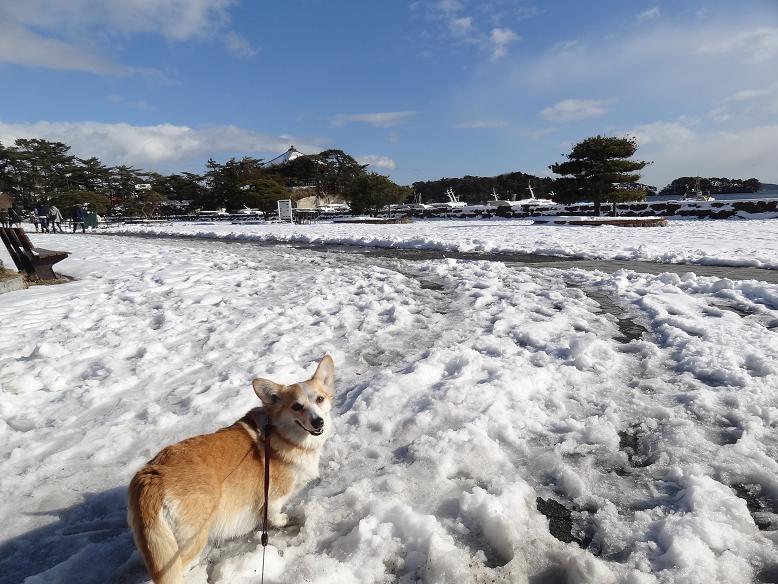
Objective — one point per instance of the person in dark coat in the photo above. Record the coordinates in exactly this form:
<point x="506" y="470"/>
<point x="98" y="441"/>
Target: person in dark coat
<point x="14" y="217"/>
<point x="42" y="210"/>
<point x="78" y="217"/>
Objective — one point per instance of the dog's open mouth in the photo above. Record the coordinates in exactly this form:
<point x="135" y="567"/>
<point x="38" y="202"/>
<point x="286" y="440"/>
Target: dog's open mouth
<point x="311" y="432"/>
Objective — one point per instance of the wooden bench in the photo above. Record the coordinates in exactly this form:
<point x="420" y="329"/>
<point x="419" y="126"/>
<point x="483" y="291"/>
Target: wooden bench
<point x="36" y="262"/>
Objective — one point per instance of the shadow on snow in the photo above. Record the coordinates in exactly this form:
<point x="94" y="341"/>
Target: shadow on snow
<point x="89" y="543"/>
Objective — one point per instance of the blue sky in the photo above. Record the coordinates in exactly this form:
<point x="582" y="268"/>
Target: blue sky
<point x="419" y="89"/>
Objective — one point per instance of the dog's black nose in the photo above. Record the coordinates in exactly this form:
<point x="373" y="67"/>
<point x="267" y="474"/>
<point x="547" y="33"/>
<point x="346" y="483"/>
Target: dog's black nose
<point x="317" y="422"/>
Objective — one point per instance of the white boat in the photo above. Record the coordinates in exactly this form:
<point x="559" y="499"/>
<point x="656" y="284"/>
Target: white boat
<point x="334" y="208"/>
<point x="417" y="205"/>
<point x="497" y="201"/>
<point x="696" y="194"/>
<point x="450" y="205"/>
<point x="247" y="211"/>
<point x="532" y="201"/>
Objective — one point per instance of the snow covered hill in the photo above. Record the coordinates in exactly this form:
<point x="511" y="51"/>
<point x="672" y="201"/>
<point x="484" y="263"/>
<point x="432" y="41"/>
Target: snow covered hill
<point x="467" y="391"/>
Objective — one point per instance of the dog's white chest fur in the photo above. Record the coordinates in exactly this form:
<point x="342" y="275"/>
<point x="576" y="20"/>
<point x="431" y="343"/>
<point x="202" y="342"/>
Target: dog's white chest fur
<point x="307" y="469"/>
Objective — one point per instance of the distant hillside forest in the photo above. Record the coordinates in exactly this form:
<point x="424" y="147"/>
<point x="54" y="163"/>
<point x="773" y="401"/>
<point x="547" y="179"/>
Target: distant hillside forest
<point x="714" y="186"/>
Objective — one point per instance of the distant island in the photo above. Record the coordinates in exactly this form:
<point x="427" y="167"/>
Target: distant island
<point x="713" y="185"/>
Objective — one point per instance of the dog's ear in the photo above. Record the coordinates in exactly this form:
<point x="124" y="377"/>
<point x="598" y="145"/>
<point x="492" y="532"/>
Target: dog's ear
<point x="325" y="374"/>
<point x="268" y="391"/>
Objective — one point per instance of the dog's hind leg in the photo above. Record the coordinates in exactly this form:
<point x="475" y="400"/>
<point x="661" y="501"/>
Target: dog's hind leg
<point x="194" y="545"/>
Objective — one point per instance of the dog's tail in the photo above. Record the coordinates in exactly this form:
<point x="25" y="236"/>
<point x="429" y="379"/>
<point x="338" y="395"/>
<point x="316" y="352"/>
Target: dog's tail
<point x="150" y="529"/>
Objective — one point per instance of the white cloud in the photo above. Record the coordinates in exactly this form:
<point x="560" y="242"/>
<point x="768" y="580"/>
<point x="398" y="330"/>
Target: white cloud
<point x="650" y="14"/>
<point x="750" y="104"/>
<point x="480" y="125"/>
<point x="52" y="33"/>
<point x="746" y="97"/>
<point x="449" y="5"/>
<point x="747" y="94"/>
<point x="678" y="151"/>
<point x="447" y="12"/>
<point x="460" y="26"/>
<point x="457" y="26"/>
<point x="499" y="39"/>
<point x="377" y="161"/>
<point x="568" y="46"/>
<point x="161" y="146"/>
<point x="573" y="110"/>
<point x="238" y="46"/>
<point x="380" y="120"/>
<point x="21" y="46"/>
<point x="178" y="20"/>
<point x="720" y="114"/>
<point x="662" y="133"/>
<point x="756" y="45"/>
<point x="650" y="60"/>
<point x="527" y="12"/>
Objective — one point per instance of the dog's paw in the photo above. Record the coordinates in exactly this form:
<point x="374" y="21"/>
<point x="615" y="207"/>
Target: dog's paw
<point x="279" y="520"/>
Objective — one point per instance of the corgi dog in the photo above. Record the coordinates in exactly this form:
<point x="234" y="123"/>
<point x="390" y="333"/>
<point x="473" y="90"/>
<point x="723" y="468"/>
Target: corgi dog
<point x="210" y="487"/>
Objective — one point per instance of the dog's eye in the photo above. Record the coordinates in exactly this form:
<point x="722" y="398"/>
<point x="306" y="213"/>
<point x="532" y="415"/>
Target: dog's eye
<point x="320" y="399"/>
<point x="297" y="407"/>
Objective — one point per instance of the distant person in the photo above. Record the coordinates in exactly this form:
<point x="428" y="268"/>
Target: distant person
<point x="34" y="219"/>
<point x="78" y="218"/>
<point x="42" y="210"/>
<point x="90" y="220"/>
<point x="55" y="219"/>
<point x="14" y="217"/>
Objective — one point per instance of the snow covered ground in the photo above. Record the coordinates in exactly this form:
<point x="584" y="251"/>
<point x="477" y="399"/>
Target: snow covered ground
<point x="729" y="243"/>
<point x="466" y="391"/>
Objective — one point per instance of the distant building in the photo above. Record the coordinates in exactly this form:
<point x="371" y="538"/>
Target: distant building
<point x="287" y="156"/>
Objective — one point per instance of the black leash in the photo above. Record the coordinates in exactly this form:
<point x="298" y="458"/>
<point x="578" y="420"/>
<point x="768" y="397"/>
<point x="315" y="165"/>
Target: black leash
<point x="264" y="537"/>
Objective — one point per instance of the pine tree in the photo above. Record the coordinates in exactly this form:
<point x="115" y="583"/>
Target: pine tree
<point x="370" y="192"/>
<point x="596" y="168"/>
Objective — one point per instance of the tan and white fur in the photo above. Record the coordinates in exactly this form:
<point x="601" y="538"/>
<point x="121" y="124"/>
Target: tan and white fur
<point x="210" y="487"/>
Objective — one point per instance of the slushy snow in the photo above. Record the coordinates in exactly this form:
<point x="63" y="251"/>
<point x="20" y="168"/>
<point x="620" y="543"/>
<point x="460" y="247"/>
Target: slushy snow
<point x="466" y="390"/>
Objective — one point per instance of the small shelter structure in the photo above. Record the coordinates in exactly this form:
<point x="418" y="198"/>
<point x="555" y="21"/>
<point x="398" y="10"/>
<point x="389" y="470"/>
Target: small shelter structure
<point x="6" y="202"/>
